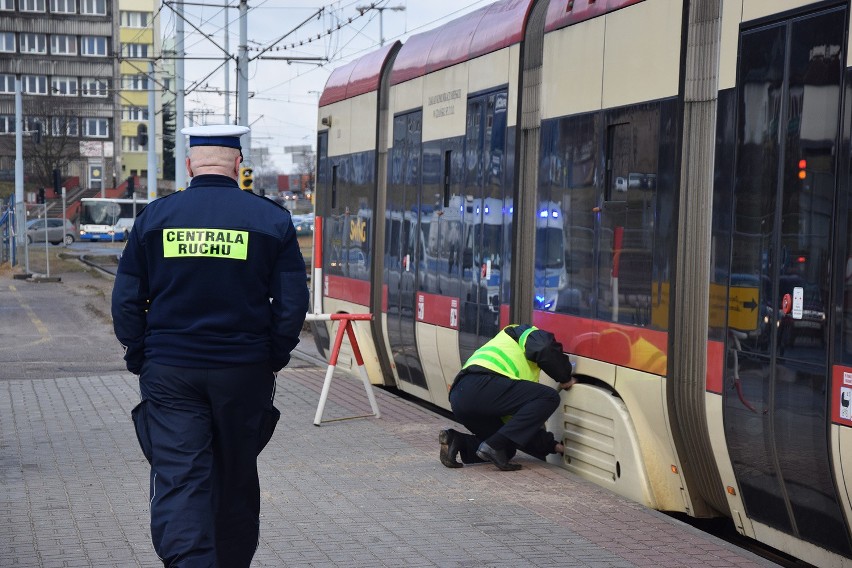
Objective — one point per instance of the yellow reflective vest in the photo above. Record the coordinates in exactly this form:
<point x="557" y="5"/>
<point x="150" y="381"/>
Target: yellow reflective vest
<point x="506" y="357"/>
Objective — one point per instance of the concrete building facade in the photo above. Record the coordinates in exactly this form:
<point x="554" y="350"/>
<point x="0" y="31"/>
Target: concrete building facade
<point x="64" y="54"/>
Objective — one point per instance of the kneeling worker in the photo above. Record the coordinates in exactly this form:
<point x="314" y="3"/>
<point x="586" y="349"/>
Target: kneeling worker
<point x="497" y="396"/>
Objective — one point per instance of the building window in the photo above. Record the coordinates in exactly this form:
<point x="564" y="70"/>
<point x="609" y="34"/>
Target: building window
<point x="7" y="42"/>
<point x="7" y="123"/>
<point x="135" y="50"/>
<point x="93" y="45"/>
<point x="64" y="86"/>
<point x="65" y="126"/>
<point x="95" y="127"/>
<point x="131" y="144"/>
<point x="134" y="19"/>
<point x="138" y="114"/>
<point x="31" y="5"/>
<point x="93" y="87"/>
<point x="63" y="6"/>
<point x="7" y="5"/>
<point x="34" y="84"/>
<point x="63" y="45"/>
<point x="33" y="43"/>
<point x="134" y="82"/>
<point x="93" y="7"/>
<point x="7" y="83"/>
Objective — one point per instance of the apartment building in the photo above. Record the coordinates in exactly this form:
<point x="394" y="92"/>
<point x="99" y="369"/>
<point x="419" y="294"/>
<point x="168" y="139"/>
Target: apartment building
<point x="139" y="34"/>
<point x="64" y="53"/>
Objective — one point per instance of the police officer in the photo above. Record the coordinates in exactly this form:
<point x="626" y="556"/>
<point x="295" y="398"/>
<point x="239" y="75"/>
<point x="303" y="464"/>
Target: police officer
<point x="497" y="396"/>
<point x="209" y="299"/>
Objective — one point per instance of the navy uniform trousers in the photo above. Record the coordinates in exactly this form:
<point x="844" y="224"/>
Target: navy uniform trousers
<point x="481" y="400"/>
<point x="202" y="430"/>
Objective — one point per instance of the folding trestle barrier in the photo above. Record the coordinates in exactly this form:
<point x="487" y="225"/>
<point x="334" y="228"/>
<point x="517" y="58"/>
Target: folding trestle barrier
<point x="344" y="325"/>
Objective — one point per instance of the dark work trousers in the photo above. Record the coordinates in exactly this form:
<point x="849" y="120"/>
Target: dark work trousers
<point x="481" y="400"/>
<point x="204" y="429"/>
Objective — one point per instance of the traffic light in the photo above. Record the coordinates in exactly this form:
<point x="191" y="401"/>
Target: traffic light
<point x="803" y="168"/>
<point x="142" y="135"/>
<point x="246" y="180"/>
<point x="40" y="197"/>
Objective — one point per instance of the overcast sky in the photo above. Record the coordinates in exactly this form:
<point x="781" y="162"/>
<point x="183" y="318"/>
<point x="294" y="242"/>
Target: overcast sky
<point x="282" y="111"/>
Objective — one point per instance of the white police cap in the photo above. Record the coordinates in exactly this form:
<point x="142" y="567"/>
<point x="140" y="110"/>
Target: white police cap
<point x="227" y="135"/>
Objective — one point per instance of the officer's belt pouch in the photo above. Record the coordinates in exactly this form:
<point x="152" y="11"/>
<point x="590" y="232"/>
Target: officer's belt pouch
<point x="267" y="426"/>
<point x="139" y="414"/>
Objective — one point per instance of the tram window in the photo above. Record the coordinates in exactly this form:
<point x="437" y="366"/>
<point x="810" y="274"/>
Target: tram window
<point x="567" y="198"/>
<point x="334" y="187"/>
<point x="447" y="165"/>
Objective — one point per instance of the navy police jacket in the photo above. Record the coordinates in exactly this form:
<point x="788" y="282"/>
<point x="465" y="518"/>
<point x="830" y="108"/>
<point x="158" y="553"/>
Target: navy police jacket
<point x="210" y="277"/>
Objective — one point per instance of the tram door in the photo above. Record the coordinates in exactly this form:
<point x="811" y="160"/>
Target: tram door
<point x="403" y="244"/>
<point x="775" y="413"/>
<point x="483" y="221"/>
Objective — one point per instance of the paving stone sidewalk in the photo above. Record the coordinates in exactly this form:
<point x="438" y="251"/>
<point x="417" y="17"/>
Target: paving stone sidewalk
<point x="364" y="492"/>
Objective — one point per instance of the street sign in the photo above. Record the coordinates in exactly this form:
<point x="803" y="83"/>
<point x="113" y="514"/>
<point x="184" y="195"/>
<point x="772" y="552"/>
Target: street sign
<point x="743" y="303"/>
<point x="96" y="149"/>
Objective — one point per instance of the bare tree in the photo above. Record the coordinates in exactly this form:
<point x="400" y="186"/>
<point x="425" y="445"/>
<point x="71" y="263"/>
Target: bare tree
<point x="306" y="165"/>
<point x="52" y="140"/>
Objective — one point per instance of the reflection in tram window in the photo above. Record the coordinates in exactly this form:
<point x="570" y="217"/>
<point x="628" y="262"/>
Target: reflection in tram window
<point x="607" y="219"/>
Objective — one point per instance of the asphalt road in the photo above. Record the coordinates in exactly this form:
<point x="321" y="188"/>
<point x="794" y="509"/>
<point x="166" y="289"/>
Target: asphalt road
<point x="53" y="329"/>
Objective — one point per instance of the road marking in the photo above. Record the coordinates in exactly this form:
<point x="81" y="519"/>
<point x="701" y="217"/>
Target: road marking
<point x="39" y="325"/>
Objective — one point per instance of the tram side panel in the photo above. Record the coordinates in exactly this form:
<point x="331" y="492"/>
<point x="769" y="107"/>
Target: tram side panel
<point x="347" y="189"/>
<point x="781" y="228"/>
<point x="608" y="152"/>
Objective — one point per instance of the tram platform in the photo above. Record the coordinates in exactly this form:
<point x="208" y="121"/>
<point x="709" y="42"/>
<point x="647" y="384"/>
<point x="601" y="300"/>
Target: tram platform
<point x="356" y="493"/>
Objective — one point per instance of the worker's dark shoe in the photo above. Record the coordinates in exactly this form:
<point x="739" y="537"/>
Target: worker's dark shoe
<point x="497" y="457"/>
<point x="450" y="446"/>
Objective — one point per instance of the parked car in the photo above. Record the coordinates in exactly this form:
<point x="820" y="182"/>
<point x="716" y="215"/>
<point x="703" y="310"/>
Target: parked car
<point x="304" y="224"/>
<point x="58" y="230"/>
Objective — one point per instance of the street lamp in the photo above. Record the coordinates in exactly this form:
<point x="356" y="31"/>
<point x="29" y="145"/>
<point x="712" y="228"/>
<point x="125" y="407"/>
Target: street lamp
<point x="381" y="10"/>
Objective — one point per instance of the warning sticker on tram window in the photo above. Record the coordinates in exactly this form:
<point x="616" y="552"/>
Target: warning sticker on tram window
<point x="213" y="243"/>
<point x="846" y="403"/>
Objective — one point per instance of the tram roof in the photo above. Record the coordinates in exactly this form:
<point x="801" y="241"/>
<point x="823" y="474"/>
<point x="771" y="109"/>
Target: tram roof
<point x="485" y="30"/>
<point x="357" y="77"/>
<point x="562" y="13"/>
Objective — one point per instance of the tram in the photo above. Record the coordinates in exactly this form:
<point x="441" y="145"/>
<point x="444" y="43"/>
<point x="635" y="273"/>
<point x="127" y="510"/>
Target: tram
<point x="664" y="184"/>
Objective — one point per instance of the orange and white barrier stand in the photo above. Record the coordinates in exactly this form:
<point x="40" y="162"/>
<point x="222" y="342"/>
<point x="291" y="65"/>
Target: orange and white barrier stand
<point x="344" y="326"/>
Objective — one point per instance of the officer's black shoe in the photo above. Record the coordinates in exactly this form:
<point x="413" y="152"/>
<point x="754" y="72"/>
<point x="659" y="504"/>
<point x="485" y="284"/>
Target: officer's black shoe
<point x="497" y="457"/>
<point x="450" y="446"/>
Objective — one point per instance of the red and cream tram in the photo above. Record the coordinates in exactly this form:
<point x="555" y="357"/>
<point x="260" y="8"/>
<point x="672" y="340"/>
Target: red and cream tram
<point x="665" y="185"/>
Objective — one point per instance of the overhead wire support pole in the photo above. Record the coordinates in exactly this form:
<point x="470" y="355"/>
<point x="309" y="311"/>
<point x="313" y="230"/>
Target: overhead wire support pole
<point x="180" y="142"/>
<point x="152" y="136"/>
<point x="242" y="81"/>
<point x="227" y="69"/>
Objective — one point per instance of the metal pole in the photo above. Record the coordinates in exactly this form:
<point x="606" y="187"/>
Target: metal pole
<point x="103" y="173"/>
<point x="180" y="141"/>
<point x="227" y="70"/>
<point x="19" y="206"/>
<point x="242" y="80"/>
<point x="152" y="136"/>
<point x="64" y="216"/>
<point x="46" y="243"/>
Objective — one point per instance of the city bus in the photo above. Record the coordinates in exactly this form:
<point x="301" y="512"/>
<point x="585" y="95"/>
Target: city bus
<point x="108" y="219"/>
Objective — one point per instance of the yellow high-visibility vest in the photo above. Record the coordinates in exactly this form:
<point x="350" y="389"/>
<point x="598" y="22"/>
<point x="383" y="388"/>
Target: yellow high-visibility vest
<point x="506" y="357"/>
